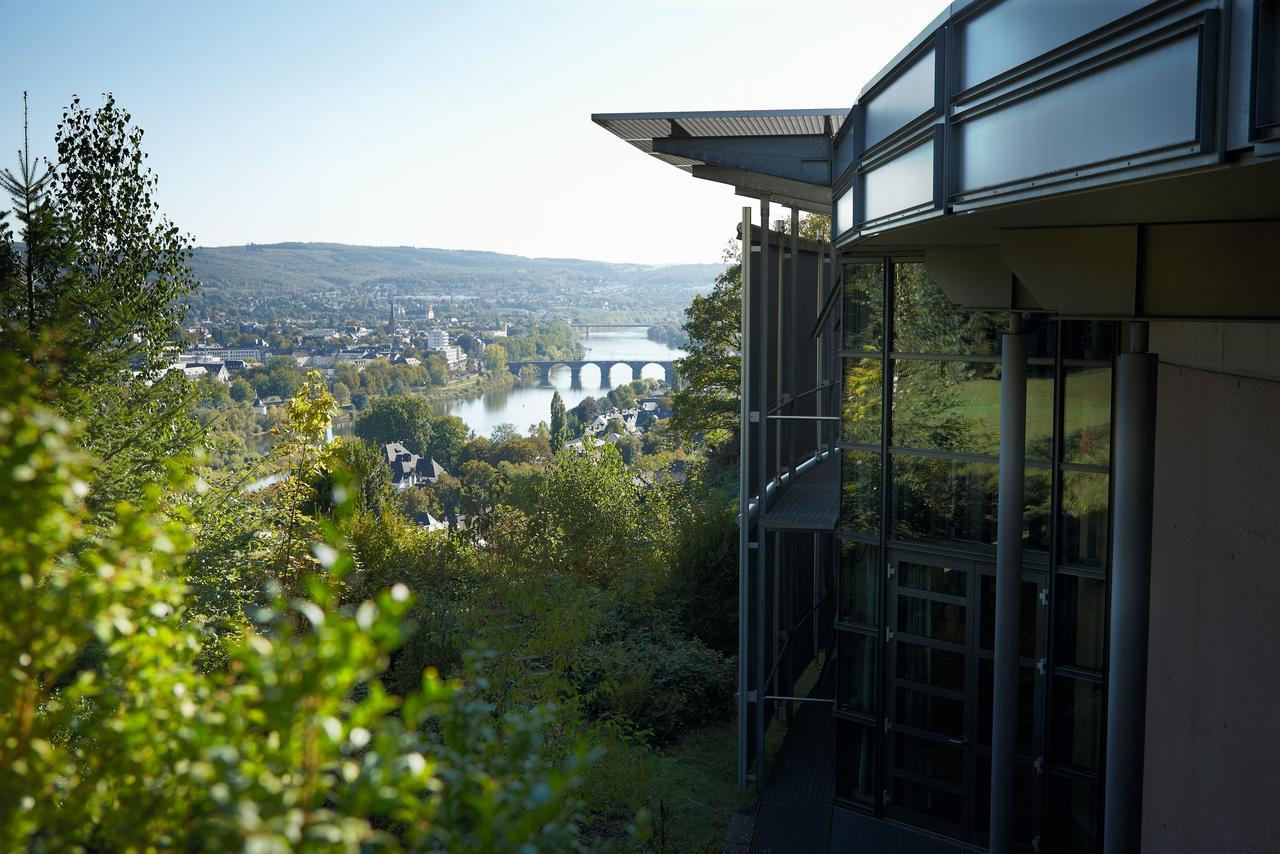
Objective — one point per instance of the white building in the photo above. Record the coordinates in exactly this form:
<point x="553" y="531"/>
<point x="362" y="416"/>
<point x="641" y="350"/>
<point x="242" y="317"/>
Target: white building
<point x="437" y="339"/>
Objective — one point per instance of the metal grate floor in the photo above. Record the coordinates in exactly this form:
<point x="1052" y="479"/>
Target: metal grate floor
<point x="809" y="503"/>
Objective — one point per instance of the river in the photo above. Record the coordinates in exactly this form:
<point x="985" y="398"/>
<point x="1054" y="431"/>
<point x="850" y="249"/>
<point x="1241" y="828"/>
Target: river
<point x="529" y="402"/>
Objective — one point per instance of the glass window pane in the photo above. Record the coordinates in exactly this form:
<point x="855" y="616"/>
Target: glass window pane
<point x="860" y="492"/>
<point x="925" y="321"/>
<point x="940" y="499"/>
<point x="1077" y="722"/>
<point x="927" y="800"/>
<point x="861" y="417"/>
<point x="1040" y="412"/>
<point x="933" y="578"/>
<point x="1089" y="339"/>
<point x="1084" y="518"/>
<point x="856" y="690"/>
<point x="929" y="618"/>
<point x="947" y="406"/>
<point x="939" y="668"/>
<point x="1028" y="611"/>
<point x="859" y="575"/>
<point x="1071" y="816"/>
<point x="855" y="762"/>
<point x="1025" y="793"/>
<point x="926" y="711"/>
<point x="1038" y="507"/>
<point x="1078" y="624"/>
<point x="864" y="306"/>
<point x="1086" y="415"/>
<point x="937" y="761"/>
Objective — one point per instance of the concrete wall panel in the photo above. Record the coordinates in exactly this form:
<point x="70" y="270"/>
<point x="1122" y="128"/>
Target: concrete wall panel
<point x="1213" y="694"/>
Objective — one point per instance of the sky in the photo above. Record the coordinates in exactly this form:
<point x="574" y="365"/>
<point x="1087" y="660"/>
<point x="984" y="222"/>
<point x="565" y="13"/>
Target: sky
<point x="461" y="125"/>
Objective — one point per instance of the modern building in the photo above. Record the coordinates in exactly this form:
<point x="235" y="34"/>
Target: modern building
<point x="438" y="339"/>
<point x="1010" y="545"/>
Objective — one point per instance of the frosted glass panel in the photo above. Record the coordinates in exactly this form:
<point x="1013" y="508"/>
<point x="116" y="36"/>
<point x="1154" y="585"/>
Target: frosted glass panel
<point x="907" y="97"/>
<point x="904" y="182"/>
<point x="844" y="212"/>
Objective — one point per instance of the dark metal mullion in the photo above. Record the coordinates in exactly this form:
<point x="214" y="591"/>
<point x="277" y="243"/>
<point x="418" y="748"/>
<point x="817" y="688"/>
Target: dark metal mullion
<point x="887" y="704"/>
<point x="933" y="643"/>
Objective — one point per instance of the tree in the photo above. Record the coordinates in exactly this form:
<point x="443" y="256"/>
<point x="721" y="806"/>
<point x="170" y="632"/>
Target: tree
<point x="241" y="391"/>
<point x="400" y="418"/>
<point x="559" y="431"/>
<point x="437" y="369"/>
<point x="449" y="435"/>
<point x="29" y="190"/>
<point x="708" y="405"/>
<point x="495" y="358"/>
<point x="341" y="392"/>
<point x="295" y="743"/>
<point x="812" y="226"/>
<point x="587" y="410"/>
<point x="280" y="377"/>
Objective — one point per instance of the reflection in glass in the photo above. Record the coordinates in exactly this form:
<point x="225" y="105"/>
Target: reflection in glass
<point x="925" y="321"/>
<point x="1040" y="405"/>
<point x="1077" y="722"/>
<point x="1086" y="415"/>
<point x="928" y="618"/>
<point x="929" y="712"/>
<point x="1089" y="339"/>
<point x="860" y="491"/>
<point x="1025" y="794"/>
<point x="1084" y="518"/>
<point x="939" y="668"/>
<point x="856" y="685"/>
<point x="855" y="762"/>
<point x="859" y="571"/>
<point x="927" y="800"/>
<point x="1078" y="624"/>
<point x="861" y="415"/>
<point x="947" y="406"/>
<point x="937" y="761"/>
<point x="944" y="499"/>
<point x="864" y="306"/>
<point x="933" y="578"/>
<point x="1028" y="607"/>
<point x="1037" y="499"/>
<point x="1071" y="816"/>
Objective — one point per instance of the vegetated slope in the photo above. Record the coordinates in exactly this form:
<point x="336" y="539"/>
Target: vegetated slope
<point x="337" y="273"/>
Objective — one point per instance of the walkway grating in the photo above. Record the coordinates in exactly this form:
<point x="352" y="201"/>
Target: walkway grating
<point x="809" y="503"/>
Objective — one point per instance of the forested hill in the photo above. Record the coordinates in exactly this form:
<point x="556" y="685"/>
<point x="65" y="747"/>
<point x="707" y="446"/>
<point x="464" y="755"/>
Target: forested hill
<point x="282" y="276"/>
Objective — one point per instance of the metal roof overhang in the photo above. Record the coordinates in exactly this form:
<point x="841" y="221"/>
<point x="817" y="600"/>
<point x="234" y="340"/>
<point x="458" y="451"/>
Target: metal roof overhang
<point x="782" y="156"/>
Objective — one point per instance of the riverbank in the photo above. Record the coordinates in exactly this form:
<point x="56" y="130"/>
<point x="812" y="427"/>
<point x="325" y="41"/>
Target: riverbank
<point x="468" y="387"/>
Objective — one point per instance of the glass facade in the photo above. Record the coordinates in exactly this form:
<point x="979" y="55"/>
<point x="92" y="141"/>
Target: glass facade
<point x="920" y="438"/>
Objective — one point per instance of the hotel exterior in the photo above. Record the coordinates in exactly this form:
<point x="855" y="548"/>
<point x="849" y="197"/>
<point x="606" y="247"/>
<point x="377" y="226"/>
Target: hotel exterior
<point x="1010" y="471"/>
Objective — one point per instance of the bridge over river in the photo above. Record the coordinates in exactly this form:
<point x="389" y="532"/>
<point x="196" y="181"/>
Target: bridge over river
<point x="575" y="367"/>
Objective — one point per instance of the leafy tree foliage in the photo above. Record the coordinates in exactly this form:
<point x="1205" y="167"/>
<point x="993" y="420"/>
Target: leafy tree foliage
<point x="559" y="427"/>
<point x="295" y="744"/>
<point x="708" y="405"/>
<point x="495" y="358"/>
<point x="397" y="418"/>
<point x="449" y="435"/>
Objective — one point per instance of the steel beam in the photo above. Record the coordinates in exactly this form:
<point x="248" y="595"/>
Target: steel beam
<point x="1004" y="729"/>
<point x="797" y="158"/>
<point x="1133" y="481"/>
<point x="762" y="463"/>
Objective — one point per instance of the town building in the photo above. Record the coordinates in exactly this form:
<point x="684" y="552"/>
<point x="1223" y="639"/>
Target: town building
<point x="409" y="469"/>
<point x="1009" y="468"/>
<point x="438" y="339"/>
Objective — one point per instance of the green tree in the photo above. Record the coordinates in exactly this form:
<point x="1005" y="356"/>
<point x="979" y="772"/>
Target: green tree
<point x="29" y="190"/>
<point x="341" y="392"/>
<point x="449" y="435"/>
<point x="279" y="377"/>
<point x="241" y="391"/>
<point x="559" y="427"/>
<point x="399" y="418"/>
<point x="708" y="405"/>
<point x="296" y="744"/>
<point x="495" y="358"/>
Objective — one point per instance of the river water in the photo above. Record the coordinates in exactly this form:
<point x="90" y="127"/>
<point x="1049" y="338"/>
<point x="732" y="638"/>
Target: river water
<point x="529" y="402"/>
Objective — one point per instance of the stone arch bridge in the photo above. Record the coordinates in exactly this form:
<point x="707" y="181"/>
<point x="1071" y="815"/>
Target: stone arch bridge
<point x="575" y="367"/>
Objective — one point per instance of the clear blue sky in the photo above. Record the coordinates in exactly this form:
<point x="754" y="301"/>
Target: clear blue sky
<point x="458" y="124"/>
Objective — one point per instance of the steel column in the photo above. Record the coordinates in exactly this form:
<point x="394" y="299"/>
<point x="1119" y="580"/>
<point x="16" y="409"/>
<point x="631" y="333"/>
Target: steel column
<point x="744" y="505"/>
<point x="762" y="461"/>
<point x="1133" y="479"/>
<point x="1004" y="729"/>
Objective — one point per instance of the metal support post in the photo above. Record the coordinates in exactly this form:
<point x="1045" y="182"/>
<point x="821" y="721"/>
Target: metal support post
<point x="1133" y="481"/>
<point x="744" y="505"/>
<point x="762" y="461"/>
<point x="1004" y="729"/>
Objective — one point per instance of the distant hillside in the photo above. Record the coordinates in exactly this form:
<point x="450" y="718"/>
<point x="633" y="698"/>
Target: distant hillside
<point x="276" y="276"/>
